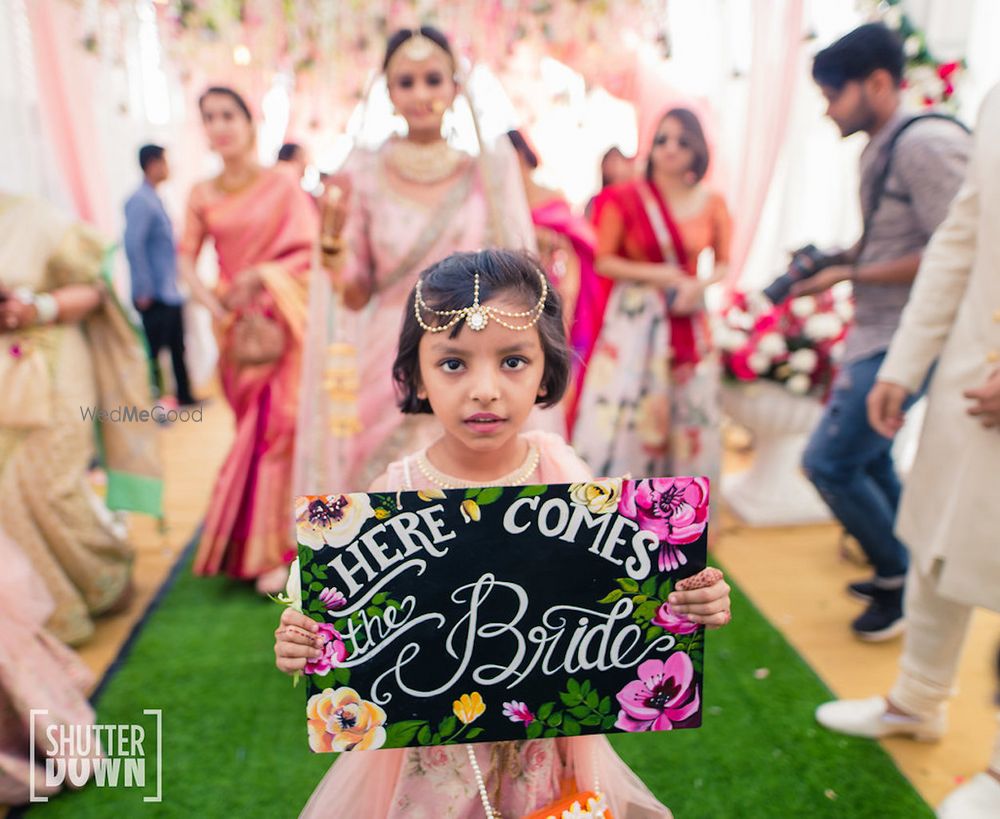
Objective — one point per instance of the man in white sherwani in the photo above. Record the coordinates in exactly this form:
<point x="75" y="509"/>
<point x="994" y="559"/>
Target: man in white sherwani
<point x="950" y="510"/>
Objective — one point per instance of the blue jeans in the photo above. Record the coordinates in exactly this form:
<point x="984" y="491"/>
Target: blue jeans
<point x="851" y="466"/>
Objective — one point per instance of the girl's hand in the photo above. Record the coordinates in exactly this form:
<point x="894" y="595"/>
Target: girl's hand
<point x="295" y="641"/>
<point x="690" y="297"/>
<point x="703" y="598"/>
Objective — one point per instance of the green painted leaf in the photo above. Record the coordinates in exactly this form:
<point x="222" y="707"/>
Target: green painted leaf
<point x="306" y="578"/>
<point x="612" y="597"/>
<point x="320" y="572"/>
<point x="550" y="733"/>
<point x="664" y="591"/>
<point x="436" y="739"/>
<point x="649" y="586"/>
<point x="573" y="687"/>
<point x="373" y="611"/>
<point x="545" y="709"/>
<point x="379" y="599"/>
<point x="556" y="719"/>
<point x="400" y="734"/>
<point x="628" y="584"/>
<point x="639" y="598"/>
<point x="424" y="735"/>
<point x="533" y="491"/>
<point x="652" y="633"/>
<point x="605" y="706"/>
<point x="579" y="711"/>
<point x="316" y="586"/>
<point x="647" y="610"/>
<point x="609" y="722"/>
<point x="585" y="688"/>
<point x="591" y="719"/>
<point x="471" y="494"/>
<point x="448" y="725"/>
<point x="592" y="699"/>
<point x="490" y="495"/>
<point x="473" y="733"/>
<point x="534" y="730"/>
<point x="571" y="727"/>
<point x="569" y="699"/>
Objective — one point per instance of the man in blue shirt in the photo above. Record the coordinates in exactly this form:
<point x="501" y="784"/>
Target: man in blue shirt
<point x="152" y="258"/>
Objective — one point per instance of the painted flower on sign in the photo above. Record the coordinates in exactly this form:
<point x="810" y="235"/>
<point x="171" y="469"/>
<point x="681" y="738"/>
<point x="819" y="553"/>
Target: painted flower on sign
<point x="469" y="707"/>
<point x="518" y="712"/>
<point x="663" y="695"/>
<point x="669" y="620"/>
<point x="600" y="497"/>
<point x="332" y="598"/>
<point x="334" y="652"/>
<point x="471" y="511"/>
<point x="330" y="520"/>
<point x="339" y="720"/>
<point x="675" y="509"/>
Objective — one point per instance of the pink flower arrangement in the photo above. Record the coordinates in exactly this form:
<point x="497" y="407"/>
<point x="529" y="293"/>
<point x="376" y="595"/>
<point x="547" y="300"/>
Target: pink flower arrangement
<point x="518" y="712"/>
<point x="664" y="695"/>
<point x="334" y="652"/>
<point x="667" y="619"/>
<point x="675" y="509"/>
<point x="793" y="343"/>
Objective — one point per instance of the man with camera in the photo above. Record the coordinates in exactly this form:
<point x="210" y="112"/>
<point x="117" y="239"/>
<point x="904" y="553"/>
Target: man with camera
<point x="910" y="171"/>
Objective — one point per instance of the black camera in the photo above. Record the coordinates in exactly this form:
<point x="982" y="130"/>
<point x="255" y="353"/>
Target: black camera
<point x="806" y="261"/>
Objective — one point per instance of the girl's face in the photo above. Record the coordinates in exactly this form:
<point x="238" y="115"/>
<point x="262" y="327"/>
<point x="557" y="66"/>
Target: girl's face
<point x="671" y="152"/>
<point x="229" y="132"/>
<point x="482" y="384"/>
<point x="422" y="91"/>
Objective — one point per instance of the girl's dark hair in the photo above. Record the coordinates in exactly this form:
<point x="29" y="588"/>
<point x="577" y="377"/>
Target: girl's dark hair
<point x="447" y="285"/>
<point x="226" y="91"/>
<point x="612" y="151"/>
<point x="521" y="146"/>
<point x="693" y="135"/>
<point x="404" y="34"/>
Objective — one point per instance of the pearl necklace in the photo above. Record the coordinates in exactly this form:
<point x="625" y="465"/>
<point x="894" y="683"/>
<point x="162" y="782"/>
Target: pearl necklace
<point x="515" y="478"/>
<point x="424" y="163"/>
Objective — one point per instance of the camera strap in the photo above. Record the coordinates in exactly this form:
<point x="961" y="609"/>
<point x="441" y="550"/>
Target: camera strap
<point x="878" y="189"/>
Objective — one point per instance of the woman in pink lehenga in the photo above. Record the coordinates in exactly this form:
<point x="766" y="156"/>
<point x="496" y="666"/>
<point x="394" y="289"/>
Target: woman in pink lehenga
<point x="413" y="201"/>
<point x="263" y="226"/>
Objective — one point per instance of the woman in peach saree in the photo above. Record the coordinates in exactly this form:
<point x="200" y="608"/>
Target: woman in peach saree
<point x="263" y="226"/>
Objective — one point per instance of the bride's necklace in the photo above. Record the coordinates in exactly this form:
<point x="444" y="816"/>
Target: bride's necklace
<point x="244" y="181"/>
<point x="515" y="478"/>
<point x="424" y="163"/>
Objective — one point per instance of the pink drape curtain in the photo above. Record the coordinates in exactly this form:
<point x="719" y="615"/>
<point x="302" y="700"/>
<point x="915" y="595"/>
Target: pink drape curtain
<point x="67" y="83"/>
<point x="774" y="73"/>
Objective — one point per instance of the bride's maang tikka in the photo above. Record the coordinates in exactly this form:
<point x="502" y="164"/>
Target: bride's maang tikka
<point x="476" y="315"/>
<point x="418" y="47"/>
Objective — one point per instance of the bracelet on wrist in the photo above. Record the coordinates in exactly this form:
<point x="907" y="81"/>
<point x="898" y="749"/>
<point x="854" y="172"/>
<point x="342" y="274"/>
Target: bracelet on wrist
<point x="46" y="308"/>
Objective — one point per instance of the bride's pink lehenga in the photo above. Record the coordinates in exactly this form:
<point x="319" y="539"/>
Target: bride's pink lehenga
<point x="521" y="777"/>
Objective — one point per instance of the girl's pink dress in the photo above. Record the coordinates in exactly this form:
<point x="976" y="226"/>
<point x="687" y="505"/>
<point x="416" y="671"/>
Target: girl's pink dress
<point x="438" y="782"/>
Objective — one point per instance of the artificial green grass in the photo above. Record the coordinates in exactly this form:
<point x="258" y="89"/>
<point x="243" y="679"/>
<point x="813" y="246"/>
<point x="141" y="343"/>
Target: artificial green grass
<point x="234" y="740"/>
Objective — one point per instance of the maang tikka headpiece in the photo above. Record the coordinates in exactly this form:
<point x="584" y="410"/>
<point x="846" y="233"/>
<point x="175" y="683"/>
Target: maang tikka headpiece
<point x="418" y="47"/>
<point x="476" y="315"/>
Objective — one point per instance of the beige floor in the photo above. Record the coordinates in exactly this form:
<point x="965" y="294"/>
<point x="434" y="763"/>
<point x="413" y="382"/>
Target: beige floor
<point x="794" y="575"/>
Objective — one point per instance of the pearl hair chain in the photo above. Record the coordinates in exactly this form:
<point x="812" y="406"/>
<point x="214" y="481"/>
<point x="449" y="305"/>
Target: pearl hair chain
<point x="476" y="315"/>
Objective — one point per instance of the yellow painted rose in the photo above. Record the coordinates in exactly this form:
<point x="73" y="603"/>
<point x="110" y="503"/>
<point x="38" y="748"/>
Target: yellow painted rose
<point x="469" y="707"/>
<point x="339" y="720"/>
<point x="471" y="511"/>
<point x="600" y="497"/>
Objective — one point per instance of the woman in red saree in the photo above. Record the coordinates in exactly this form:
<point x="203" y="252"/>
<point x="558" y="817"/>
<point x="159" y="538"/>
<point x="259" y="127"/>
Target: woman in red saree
<point x="648" y="380"/>
<point x="263" y="226"/>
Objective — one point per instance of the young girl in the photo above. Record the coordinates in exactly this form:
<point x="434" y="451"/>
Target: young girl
<point x="481" y="344"/>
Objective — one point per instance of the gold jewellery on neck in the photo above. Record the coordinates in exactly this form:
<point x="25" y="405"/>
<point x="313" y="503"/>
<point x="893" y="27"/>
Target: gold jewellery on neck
<point x="477" y="316"/>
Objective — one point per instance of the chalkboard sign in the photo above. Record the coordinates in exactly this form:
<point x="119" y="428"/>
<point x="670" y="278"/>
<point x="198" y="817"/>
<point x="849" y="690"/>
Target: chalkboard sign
<point x="476" y="615"/>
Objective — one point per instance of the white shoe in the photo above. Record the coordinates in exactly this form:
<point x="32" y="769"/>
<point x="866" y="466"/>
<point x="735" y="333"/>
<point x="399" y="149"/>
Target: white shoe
<point x="868" y="718"/>
<point x="979" y="798"/>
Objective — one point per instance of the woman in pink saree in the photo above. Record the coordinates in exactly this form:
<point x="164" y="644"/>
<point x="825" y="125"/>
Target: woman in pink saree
<point x="413" y="201"/>
<point x="263" y="226"/>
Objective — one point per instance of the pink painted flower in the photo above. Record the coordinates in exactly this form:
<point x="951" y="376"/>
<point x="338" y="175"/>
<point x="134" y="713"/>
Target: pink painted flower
<point x="332" y="598"/>
<point x="667" y="618"/>
<point x="675" y="509"/>
<point x="518" y="712"/>
<point x="663" y="696"/>
<point x="334" y="652"/>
